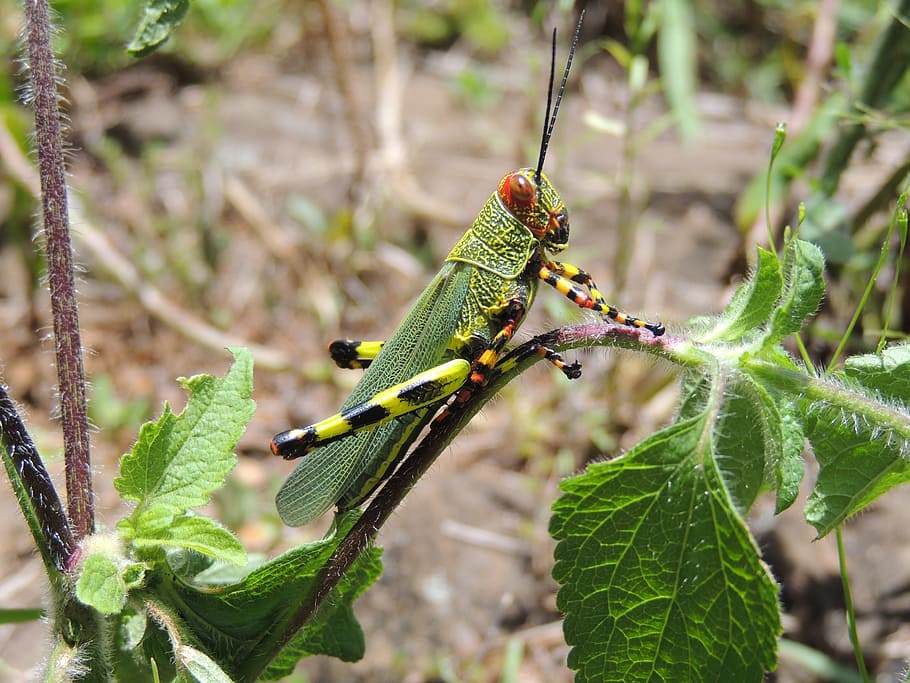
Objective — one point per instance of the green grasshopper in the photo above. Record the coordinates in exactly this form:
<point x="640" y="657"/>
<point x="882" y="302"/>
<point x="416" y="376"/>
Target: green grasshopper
<point x="447" y="345"/>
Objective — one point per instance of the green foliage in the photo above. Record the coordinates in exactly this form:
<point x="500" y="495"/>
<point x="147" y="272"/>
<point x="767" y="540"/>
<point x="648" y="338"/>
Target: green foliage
<point x="482" y="24"/>
<point x="160" y="18"/>
<point x="660" y="577"/>
<point x="110" y="411"/>
<point x="661" y="580"/>
<point x="148" y="578"/>
<point x="860" y="432"/>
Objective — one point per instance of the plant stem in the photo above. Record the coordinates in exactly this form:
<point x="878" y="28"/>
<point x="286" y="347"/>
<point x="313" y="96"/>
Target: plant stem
<point x="848" y="601"/>
<point x="833" y="394"/>
<point x="68" y="346"/>
<point x="35" y="491"/>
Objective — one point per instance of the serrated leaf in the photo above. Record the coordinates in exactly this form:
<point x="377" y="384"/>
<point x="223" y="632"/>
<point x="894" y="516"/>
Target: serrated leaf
<point x="661" y="580"/>
<point x="804" y="266"/>
<point x="200" y="534"/>
<point x="230" y="623"/>
<point x="336" y="631"/>
<point x="179" y="460"/>
<point x="862" y="449"/>
<point x="159" y="19"/>
<point x="751" y="304"/>
<point x="887" y="374"/>
<point x="101" y="584"/>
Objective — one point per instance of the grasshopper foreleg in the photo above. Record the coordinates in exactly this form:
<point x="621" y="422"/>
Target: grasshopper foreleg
<point x="423" y="389"/>
<point x="565" y="278"/>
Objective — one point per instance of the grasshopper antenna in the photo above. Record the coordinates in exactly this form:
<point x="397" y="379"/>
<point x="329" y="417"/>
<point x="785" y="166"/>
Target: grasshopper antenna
<point x="550" y="121"/>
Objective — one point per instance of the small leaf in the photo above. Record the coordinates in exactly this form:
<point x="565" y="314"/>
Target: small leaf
<point x="180" y="459"/>
<point x="201" y="535"/>
<point x="101" y="584"/>
<point x="159" y="20"/>
<point x="199" y="666"/>
<point x="887" y="374"/>
<point x="752" y="303"/>
<point x="229" y="623"/>
<point x="789" y="470"/>
<point x="747" y="440"/>
<point x="862" y="444"/>
<point x="21" y="615"/>
<point x="804" y="266"/>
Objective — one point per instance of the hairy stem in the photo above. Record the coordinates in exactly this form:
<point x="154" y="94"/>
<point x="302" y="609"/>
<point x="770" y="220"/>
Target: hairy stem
<point x="68" y="346"/>
<point x="34" y="489"/>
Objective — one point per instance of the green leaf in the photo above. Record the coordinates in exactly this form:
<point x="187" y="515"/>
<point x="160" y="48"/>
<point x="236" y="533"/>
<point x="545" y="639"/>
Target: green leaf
<point x="160" y="18"/>
<point x="231" y="623"/>
<point x="888" y="374"/>
<point x="677" y="56"/>
<point x="199" y="534"/>
<point x="804" y="266"/>
<point x="335" y="632"/>
<point x="199" y="666"/>
<point x="18" y="616"/>
<point x="660" y="577"/>
<point x="748" y="440"/>
<point x="101" y="584"/>
<point x="180" y="459"/>
<point x="752" y="303"/>
<point x="789" y="471"/>
<point x="861" y="438"/>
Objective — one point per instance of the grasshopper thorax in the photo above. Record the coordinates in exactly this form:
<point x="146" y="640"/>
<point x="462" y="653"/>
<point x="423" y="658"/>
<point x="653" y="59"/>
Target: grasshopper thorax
<point x="528" y="195"/>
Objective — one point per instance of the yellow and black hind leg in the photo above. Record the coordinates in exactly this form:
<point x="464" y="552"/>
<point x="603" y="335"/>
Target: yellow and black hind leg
<point x="421" y="390"/>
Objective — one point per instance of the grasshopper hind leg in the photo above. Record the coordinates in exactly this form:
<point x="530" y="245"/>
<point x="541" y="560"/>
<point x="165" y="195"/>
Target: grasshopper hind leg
<point x="423" y="389"/>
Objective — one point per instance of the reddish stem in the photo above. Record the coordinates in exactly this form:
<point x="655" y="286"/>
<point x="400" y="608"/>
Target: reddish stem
<point x="68" y="346"/>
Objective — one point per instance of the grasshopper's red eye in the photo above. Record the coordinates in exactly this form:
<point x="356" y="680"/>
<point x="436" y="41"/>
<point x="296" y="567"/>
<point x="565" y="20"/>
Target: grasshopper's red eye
<point x="521" y="188"/>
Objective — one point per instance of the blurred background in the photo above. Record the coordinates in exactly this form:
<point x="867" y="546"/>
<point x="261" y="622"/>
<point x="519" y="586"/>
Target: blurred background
<point x="281" y="174"/>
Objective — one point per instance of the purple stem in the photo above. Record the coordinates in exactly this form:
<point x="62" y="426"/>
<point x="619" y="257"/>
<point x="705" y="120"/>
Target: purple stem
<point x="53" y="532"/>
<point x="70" y="371"/>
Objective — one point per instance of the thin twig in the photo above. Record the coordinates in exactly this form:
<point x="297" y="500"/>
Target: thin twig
<point x="68" y="344"/>
<point x="392" y="158"/>
<point x="339" y="40"/>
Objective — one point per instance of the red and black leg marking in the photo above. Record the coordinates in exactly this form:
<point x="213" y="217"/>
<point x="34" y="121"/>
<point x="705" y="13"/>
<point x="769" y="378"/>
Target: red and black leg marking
<point x="565" y="278"/>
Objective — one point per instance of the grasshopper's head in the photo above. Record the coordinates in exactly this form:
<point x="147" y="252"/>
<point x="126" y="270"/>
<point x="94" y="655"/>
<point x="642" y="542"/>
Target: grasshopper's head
<point x="529" y="196"/>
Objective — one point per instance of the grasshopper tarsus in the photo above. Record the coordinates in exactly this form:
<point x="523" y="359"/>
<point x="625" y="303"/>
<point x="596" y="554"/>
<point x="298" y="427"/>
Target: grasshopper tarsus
<point x="657" y="329"/>
<point x="572" y="370"/>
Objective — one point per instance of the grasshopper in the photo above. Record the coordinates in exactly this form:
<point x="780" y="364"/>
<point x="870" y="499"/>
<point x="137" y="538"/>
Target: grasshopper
<point x="449" y="343"/>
